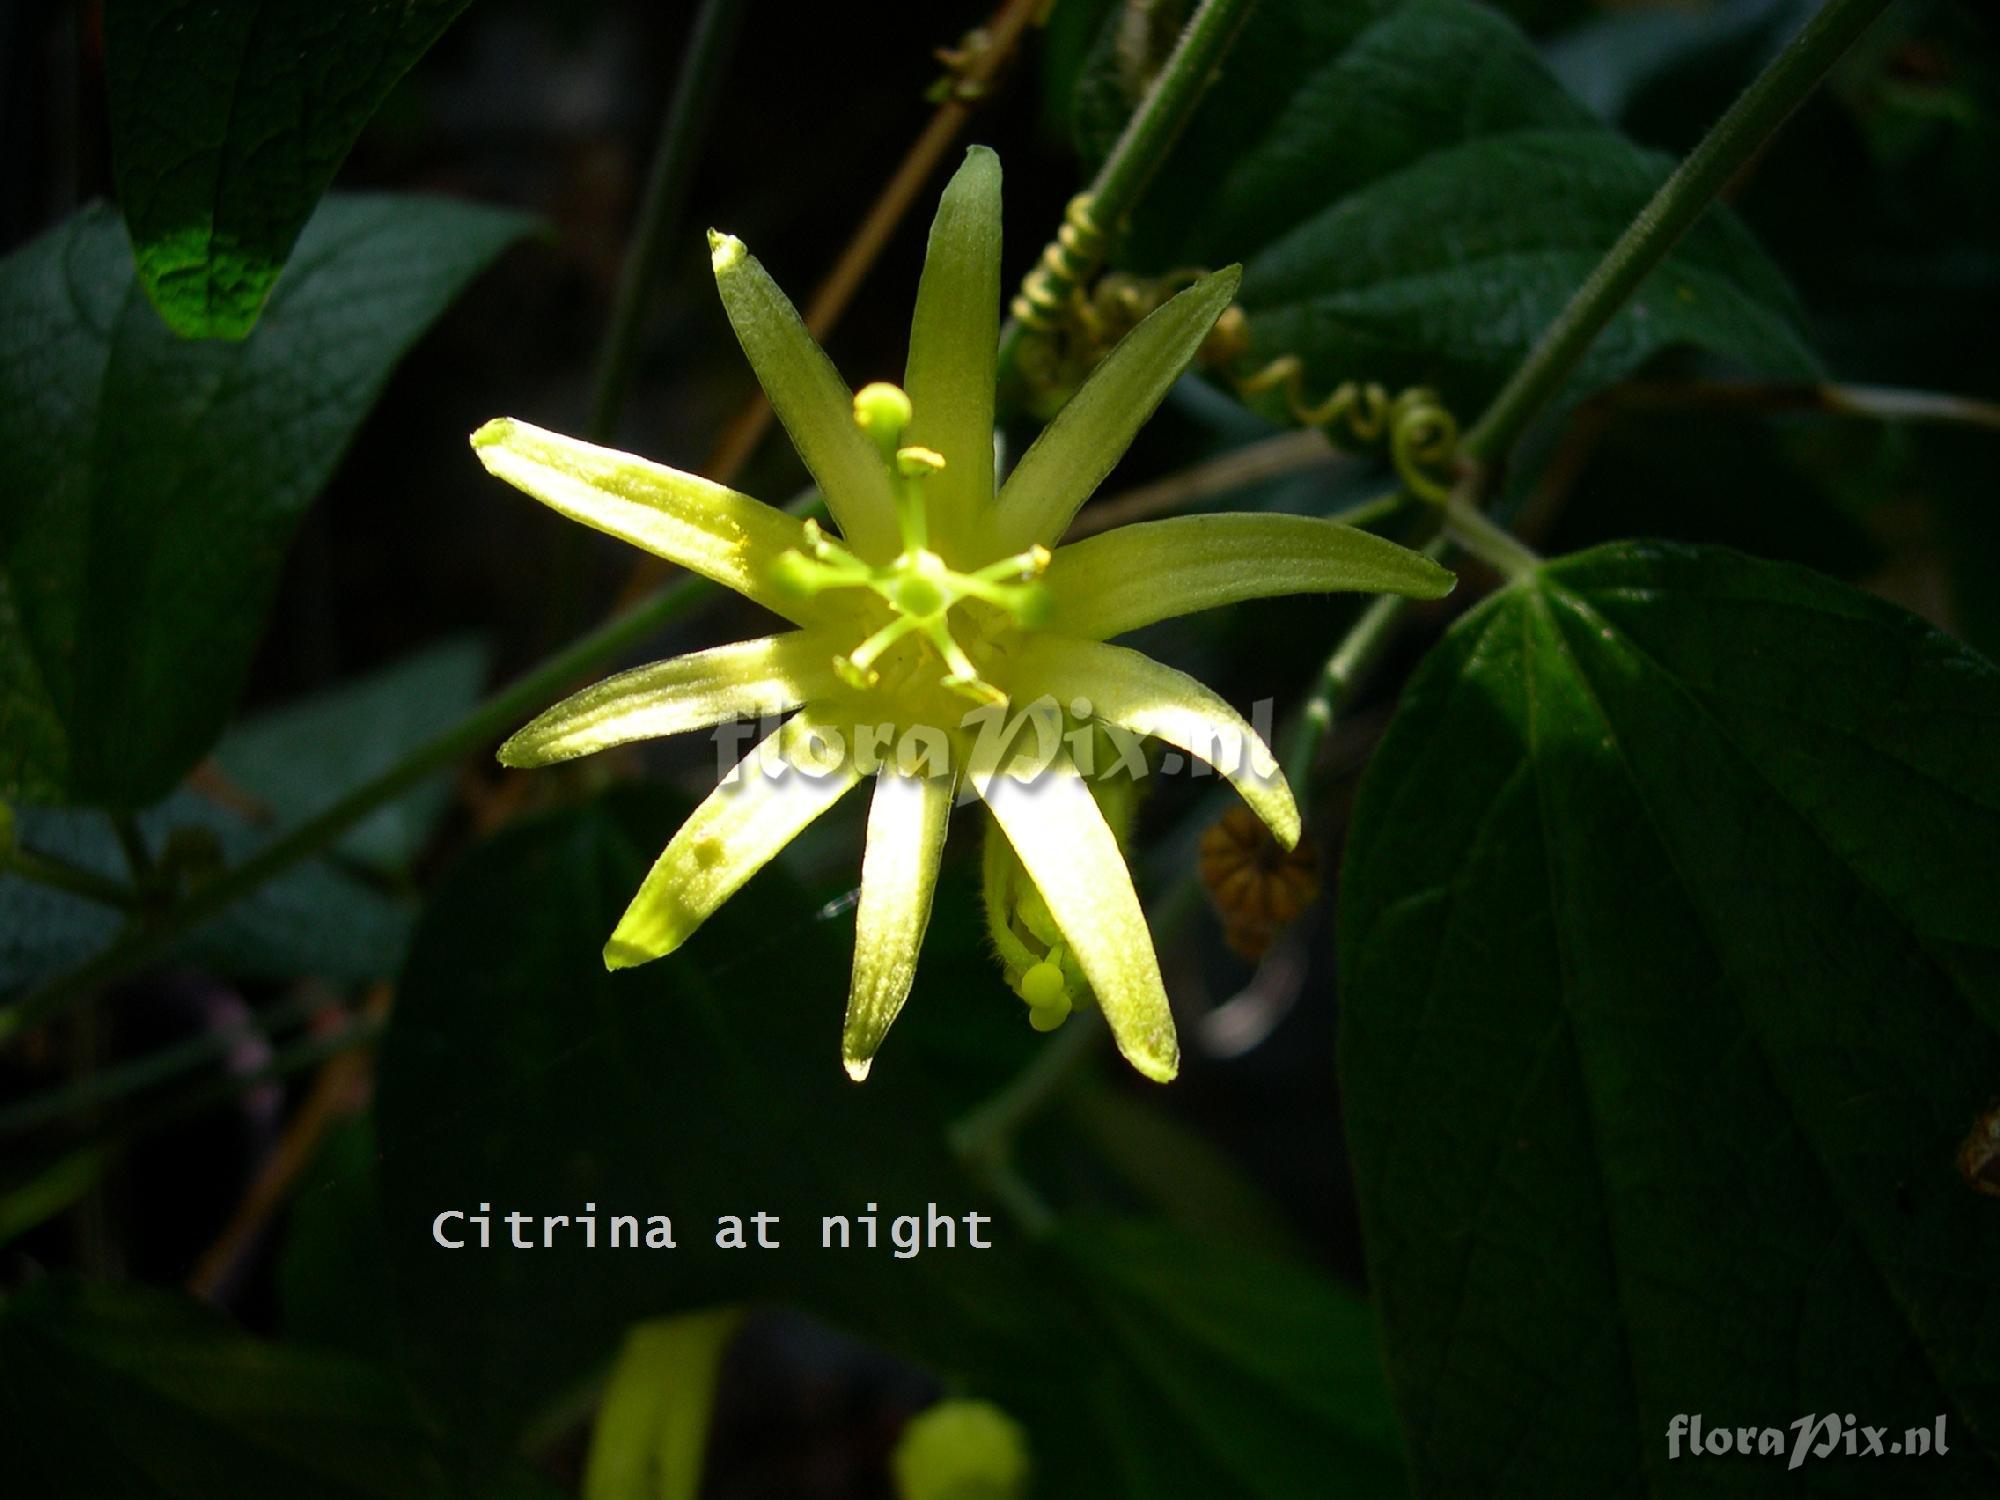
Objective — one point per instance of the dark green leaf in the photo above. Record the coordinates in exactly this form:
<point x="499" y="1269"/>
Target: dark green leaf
<point x="518" y="1073"/>
<point x="1617" y="62"/>
<point x="1672" y="986"/>
<point x="117" y="1391"/>
<point x="1414" y="198"/>
<point x="333" y="1271"/>
<point x="153" y="485"/>
<point x="299" y="759"/>
<point x="314" y="919"/>
<point x="229" y="121"/>
<point x="1270" y="1375"/>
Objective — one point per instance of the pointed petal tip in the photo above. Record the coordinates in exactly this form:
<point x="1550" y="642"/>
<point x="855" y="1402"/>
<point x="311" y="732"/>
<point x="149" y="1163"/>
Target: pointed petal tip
<point x="496" y="431"/>
<point x="857" y="1067"/>
<point x="620" y="954"/>
<point x="1164" y="1068"/>
<point x="981" y="159"/>
<point x="725" y="251"/>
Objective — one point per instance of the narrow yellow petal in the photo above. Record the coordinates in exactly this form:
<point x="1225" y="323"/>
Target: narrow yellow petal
<point x="906" y="824"/>
<point x="1131" y="690"/>
<point x="706" y="528"/>
<point x="1154" y="570"/>
<point x="651" y="1432"/>
<point x="741" y="826"/>
<point x="954" y="345"/>
<point x="1069" y="852"/>
<point x="749" y="678"/>
<point x="1091" y="433"/>
<point x="810" y="398"/>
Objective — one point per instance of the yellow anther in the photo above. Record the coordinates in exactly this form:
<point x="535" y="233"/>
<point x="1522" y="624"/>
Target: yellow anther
<point x="1049" y="1017"/>
<point x="915" y="463"/>
<point x="1044" y="985"/>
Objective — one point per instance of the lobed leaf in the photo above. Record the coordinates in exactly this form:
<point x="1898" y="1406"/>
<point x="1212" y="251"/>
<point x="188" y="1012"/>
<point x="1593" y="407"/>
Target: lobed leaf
<point x="1671" y="987"/>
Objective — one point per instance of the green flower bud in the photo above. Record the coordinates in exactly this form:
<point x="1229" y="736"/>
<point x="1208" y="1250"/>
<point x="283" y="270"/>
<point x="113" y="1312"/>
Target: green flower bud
<point x="961" y="1450"/>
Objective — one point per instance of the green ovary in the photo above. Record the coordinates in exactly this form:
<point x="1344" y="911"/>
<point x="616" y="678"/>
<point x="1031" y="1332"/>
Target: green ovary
<point x="920" y="589"/>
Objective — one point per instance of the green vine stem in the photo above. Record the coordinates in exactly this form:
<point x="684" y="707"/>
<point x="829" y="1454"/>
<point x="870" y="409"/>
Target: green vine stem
<point x="661" y="208"/>
<point x="1359" y="649"/>
<point x="1486" y="539"/>
<point x="1682" y="198"/>
<point x="61" y="875"/>
<point x="1730" y="142"/>
<point x="151" y="937"/>
<point x="143" y="1074"/>
<point x="1138" y="153"/>
<point x="1151" y="132"/>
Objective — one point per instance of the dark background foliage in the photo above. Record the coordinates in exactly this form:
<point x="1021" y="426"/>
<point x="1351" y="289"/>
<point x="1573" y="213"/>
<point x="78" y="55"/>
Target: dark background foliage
<point x="1414" y="190"/>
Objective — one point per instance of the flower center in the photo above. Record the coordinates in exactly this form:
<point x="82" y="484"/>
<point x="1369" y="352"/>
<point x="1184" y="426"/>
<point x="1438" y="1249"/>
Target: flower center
<point x="919" y="587"/>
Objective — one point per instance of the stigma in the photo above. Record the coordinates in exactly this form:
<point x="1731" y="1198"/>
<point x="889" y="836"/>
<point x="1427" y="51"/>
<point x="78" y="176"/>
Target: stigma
<point x="920" y="588"/>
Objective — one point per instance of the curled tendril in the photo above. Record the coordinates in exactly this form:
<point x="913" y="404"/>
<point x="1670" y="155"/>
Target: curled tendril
<point x="1418" y="430"/>
<point x="1073" y="321"/>
<point x="1051" y="291"/>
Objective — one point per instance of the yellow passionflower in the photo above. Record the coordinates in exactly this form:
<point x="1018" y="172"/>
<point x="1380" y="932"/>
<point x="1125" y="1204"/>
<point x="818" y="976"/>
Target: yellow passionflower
<point x="942" y="608"/>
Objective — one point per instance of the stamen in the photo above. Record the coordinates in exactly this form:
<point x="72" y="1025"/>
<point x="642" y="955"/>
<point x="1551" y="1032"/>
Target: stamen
<point x="964" y="677"/>
<point x="1027" y="601"/>
<point x="1023" y="565"/>
<point x="831" y="565"/>
<point x="857" y="668"/>
<point x="918" y="586"/>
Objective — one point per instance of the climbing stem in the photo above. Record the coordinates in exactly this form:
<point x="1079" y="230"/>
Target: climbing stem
<point x="1486" y="539"/>
<point x="1153" y="128"/>
<point x="61" y="875"/>
<point x="1358" y="650"/>
<point x="148" y="938"/>
<point x="1682" y="198"/>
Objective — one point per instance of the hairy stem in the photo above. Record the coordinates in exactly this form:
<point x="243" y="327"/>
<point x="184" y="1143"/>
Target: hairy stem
<point x="1682" y="198"/>
<point x="1154" y="127"/>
